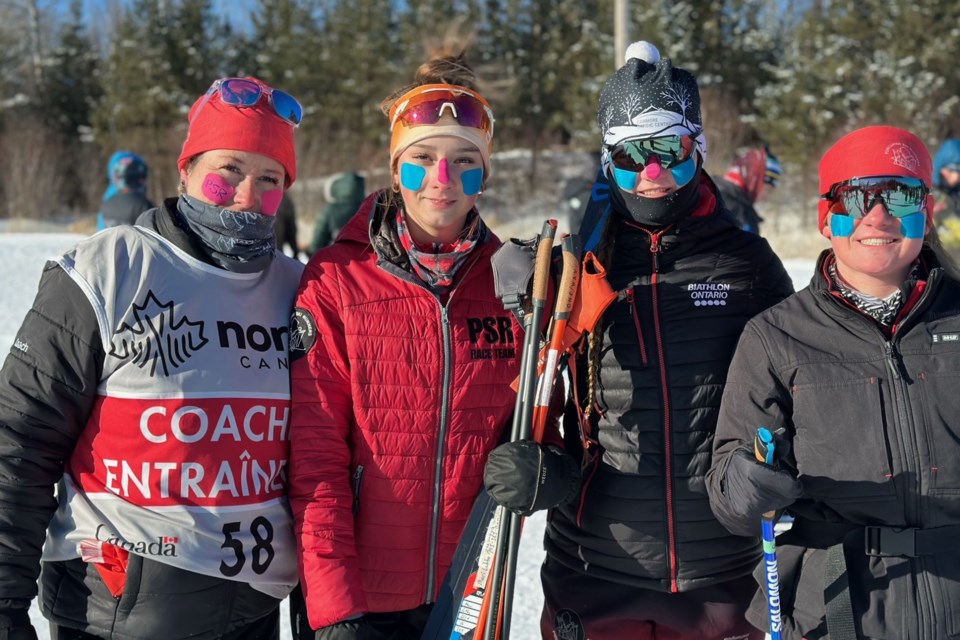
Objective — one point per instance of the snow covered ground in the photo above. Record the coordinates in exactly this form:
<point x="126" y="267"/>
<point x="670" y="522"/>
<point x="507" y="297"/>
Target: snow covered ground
<point x="23" y="256"/>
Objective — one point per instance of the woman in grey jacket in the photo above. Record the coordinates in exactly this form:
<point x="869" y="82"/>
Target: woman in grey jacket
<point x="857" y="375"/>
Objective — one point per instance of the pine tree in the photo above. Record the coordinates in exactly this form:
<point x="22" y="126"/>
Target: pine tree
<point x="71" y="82"/>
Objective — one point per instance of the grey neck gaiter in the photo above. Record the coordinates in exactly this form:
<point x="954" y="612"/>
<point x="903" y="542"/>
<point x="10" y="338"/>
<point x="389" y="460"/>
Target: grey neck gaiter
<point x="238" y="241"/>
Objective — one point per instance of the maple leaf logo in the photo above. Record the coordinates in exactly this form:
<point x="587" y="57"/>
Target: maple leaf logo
<point x="156" y="338"/>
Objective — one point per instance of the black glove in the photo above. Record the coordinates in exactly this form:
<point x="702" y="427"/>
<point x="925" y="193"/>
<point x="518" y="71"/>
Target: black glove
<point x="15" y="625"/>
<point x="524" y="476"/>
<point x="351" y="629"/>
<point x="21" y="632"/>
<point x="753" y="488"/>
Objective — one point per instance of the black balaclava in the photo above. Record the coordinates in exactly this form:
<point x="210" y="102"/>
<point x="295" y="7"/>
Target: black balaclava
<point x="647" y="98"/>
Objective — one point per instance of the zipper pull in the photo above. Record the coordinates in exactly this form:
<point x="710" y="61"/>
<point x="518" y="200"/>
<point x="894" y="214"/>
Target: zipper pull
<point x="357" y="480"/>
<point x="655" y="251"/>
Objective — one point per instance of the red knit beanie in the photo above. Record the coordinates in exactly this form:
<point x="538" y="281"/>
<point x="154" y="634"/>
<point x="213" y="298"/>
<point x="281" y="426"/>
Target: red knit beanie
<point x="257" y="129"/>
<point x="875" y="151"/>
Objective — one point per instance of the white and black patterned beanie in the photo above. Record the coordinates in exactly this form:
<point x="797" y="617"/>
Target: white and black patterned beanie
<point x="648" y="97"/>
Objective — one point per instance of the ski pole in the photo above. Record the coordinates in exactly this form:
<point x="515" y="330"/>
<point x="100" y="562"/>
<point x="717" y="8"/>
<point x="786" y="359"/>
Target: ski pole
<point x="763" y="449"/>
<point x="522" y="414"/>
<point x="566" y="293"/>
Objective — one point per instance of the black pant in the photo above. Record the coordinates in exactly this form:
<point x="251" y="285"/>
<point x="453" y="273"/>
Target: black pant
<point x="266" y="628"/>
<point x="399" y="625"/>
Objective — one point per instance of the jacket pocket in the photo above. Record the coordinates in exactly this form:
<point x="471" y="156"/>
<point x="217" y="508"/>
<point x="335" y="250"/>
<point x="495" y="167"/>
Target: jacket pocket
<point x="841" y="443"/>
<point x="941" y="420"/>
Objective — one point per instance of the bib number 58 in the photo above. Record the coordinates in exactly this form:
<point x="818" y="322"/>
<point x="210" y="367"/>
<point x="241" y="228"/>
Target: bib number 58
<point x="261" y="554"/>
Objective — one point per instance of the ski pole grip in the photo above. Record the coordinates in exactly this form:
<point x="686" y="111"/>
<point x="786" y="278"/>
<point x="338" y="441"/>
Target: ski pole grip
<point x="763" y="450"/>
<point x="570" y="276"/>
<point x="541" y="273"/>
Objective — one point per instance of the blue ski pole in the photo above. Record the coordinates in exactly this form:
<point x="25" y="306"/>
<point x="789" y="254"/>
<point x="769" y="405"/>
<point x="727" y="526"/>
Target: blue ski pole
<point x="763" y="449"/>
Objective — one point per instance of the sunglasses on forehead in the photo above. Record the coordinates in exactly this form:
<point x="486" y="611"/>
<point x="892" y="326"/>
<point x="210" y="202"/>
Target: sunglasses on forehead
<point x="632" y="155"/>
<point x="900" y="195"/>
<point x="243" y="92"/>
<point x="428" y="103"/>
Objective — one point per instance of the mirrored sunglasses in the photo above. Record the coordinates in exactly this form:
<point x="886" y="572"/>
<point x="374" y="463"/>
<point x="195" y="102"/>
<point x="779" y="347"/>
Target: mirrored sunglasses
<point x="243" y="92"/>
<point x="428" y="104"/>
<point x="900" y="195"/>
<point x="633" y="155"/>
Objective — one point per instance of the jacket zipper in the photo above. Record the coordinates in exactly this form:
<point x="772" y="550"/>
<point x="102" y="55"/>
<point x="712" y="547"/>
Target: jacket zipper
<point x="667" y="427"/>
<point x="441" y="440"/>
<point x="357" y="481"/>
<point x="442" y="433"/>
<point x="389" y="267"/>
<point x="635" y="314"/>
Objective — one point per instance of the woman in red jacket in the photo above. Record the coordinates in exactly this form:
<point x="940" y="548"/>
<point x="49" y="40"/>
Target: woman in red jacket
<point x="401" y="385"/>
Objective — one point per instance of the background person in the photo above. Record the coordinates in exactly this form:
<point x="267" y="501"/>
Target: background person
<point x="402" y="383"/>
<point x="344" y="192"/>
<point x="126" y="195"/>
<point x="750" y="176"/>
<point x="859" y="370"/>
<point x="285" y="227"/>
<point x="637" y="553"/>
<point x="149" y="383"/>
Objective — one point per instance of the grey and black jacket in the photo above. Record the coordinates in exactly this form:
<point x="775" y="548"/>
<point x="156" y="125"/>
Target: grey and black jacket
<point x="48" y="385"/>
<point x="873" y="417"/>
<point x="685" y="294"/>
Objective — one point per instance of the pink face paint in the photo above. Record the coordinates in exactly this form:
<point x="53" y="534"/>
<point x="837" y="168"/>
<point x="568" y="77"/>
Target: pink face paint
<point x="270" y="202"/>
<point x="216" y="189"/>
<point x="653" y="167"/>
<point x="443" y="171"/>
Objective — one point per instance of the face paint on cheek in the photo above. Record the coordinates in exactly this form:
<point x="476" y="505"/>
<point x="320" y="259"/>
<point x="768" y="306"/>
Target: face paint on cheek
<point x="913" y="225"/>
<point x="683" y="172"/>
<point x="472" y="180"/>
<point x="411" y="176"/>
<point x="216" y="189"/>
<point x="841" y="226"/>
<point x="626" y="180"/>
<point x="270" y="202"/>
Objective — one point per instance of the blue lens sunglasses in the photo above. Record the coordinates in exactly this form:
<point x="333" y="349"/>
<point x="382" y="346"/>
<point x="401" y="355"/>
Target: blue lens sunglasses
<point x="244" y="92"/>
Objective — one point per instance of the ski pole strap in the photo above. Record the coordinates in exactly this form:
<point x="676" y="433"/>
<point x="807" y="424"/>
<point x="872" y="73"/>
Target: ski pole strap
<point x="513" y="265"/>
<point x="836" y="596"/>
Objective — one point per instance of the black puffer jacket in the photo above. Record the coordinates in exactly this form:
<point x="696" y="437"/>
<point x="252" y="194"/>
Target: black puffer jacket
<point x="48" y="385"/>
<point x="643" y="517"/>
<point x="738" y="203"/>
<point x="875" y="429"/>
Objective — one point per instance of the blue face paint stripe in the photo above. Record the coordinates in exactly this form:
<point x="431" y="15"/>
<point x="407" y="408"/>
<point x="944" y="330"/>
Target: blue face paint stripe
<point x="912" y="226"/>
<point x="841" y="226"/>
<point x="683" y="172"/>
<point x="472" y="180"/>
<point x="412" y="176"/>
<point x="626" y="180"/>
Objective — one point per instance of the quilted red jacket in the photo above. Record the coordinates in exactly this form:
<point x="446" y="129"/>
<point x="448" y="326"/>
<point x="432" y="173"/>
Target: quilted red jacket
<point x="398" y="397"/>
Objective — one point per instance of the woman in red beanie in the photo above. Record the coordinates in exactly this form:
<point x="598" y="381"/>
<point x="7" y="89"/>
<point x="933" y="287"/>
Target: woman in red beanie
<point x="149" y="384"/>
<point x="401" y="386"/>
<point x="857" y="375"/>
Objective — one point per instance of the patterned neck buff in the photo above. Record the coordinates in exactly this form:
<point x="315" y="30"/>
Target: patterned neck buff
<point x="238" y="241"/>
<point x="437" y="263"/>
<point x="883" y="310"/>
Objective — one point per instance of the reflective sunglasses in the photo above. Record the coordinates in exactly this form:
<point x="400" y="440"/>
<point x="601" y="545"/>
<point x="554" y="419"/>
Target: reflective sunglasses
<point x="632" y="155"/>
<point x="243" y="92"/>
<point x="428" y="103"/>
<point x="900" y="195"/>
